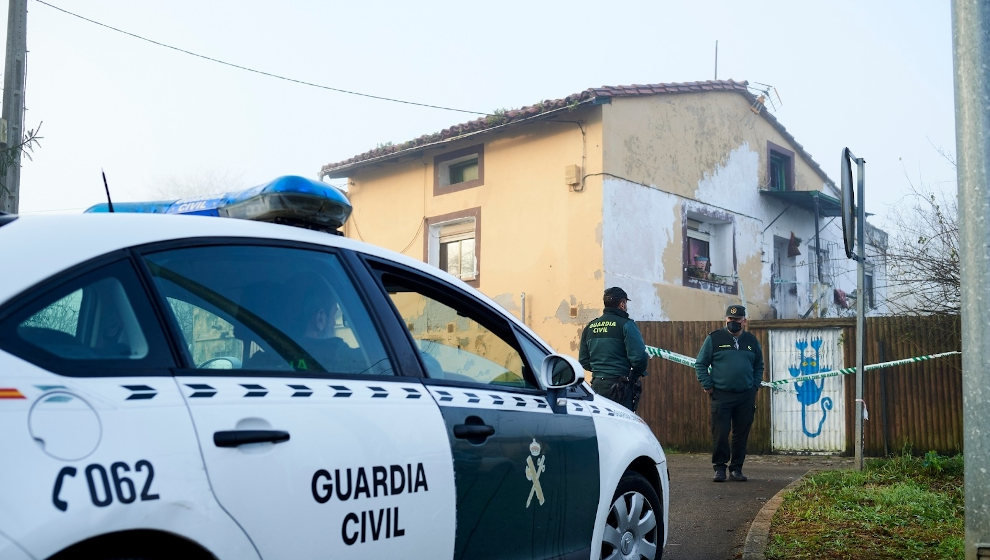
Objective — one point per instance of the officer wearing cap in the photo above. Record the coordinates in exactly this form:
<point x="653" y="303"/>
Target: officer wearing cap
<point x="612" y="349"/>
<point x="732" y="380"/>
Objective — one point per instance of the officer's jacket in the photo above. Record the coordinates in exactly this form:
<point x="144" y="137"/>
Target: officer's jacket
<point x="731" y="369"/>
<point x="612" y="345"/>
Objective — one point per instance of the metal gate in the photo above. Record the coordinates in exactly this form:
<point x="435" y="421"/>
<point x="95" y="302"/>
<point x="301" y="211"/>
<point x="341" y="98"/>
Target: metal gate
<point x="807" y="416"/>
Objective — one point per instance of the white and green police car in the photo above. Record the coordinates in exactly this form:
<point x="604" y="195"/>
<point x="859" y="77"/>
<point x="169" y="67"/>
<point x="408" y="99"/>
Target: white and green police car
<point x="189" y="387"/>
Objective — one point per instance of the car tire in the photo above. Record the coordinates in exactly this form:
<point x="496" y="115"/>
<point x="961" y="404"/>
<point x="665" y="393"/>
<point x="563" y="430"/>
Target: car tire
<point x="633" y="528"/>
<point x="134" y="545"/>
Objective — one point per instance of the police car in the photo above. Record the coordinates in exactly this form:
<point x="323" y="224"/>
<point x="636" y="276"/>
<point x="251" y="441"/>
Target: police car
<point x="188" y="387"/>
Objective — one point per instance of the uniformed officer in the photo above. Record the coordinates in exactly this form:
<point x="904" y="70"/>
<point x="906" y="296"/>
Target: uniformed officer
<point x="736" y="361"/>
<point x="612" y="349"/>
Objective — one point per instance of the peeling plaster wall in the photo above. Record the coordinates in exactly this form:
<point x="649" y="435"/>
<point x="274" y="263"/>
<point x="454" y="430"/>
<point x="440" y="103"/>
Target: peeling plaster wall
<point x="732" y="187"/>
<point x="643" y="243"/>
<point x="702" y="153"/>
<point x="637" y="228"/>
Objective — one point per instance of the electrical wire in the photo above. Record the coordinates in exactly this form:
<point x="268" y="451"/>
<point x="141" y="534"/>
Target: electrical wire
<point x="261" y="72"/>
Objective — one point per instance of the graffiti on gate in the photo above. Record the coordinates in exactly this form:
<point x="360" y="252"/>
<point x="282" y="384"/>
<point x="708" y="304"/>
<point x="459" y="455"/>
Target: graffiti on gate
<point x="809" y="391"/>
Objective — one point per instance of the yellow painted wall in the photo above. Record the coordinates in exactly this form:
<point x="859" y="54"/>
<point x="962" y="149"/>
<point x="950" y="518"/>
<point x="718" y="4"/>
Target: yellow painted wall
<point x="538" y="236"/>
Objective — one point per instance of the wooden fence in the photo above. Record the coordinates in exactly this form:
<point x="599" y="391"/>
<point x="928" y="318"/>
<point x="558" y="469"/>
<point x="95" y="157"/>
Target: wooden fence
<point x="916" y="407"/>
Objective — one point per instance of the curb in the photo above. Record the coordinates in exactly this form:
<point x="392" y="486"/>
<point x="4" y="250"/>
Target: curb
<point x="758" y="536"/>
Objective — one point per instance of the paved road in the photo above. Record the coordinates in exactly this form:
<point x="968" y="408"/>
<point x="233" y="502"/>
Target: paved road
<point x="709" y="521"/>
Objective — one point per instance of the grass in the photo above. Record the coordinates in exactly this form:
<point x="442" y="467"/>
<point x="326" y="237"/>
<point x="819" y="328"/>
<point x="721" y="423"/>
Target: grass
<point x="900" y="508"/>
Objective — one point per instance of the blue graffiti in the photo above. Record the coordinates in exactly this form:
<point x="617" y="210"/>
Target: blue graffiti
<point x="809" y="392"/>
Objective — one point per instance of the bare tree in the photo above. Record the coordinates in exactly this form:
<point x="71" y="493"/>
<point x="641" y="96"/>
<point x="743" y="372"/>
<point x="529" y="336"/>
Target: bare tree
<point x="923" y="255"/>
<point x="12" y="156"/>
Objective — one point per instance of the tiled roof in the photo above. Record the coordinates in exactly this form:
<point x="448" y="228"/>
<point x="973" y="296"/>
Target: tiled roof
<point x="548" y="109"/>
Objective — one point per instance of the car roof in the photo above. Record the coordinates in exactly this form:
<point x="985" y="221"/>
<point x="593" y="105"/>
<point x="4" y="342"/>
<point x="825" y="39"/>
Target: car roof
<point x="37" y="247"/>
<point x="43" y="245"/>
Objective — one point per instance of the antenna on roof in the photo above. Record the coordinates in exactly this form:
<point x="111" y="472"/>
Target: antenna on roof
<point x="107" y="188"/>
<point x="716" y="59"/>
<point x="766" y="94"/>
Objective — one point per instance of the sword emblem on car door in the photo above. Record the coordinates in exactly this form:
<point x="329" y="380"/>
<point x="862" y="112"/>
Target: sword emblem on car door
<point x="533" y="472"/>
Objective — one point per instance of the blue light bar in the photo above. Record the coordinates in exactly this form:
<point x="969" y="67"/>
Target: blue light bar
<point x="289" y="200"/>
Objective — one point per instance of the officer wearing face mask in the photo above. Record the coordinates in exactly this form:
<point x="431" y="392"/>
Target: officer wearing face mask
<point x="730" y="369"/>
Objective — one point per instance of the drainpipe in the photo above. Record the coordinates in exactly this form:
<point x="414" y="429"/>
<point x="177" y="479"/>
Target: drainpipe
<point x="818" y="247"/>
<point x="818" y="261"/>
<point x="522" y="300"/>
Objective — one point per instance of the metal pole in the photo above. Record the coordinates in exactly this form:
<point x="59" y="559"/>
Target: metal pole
<point x="860" y="302"/>
<point x="522" y="304"/>
<point x="971" y="47"/>
<point x="12" y="126"/>
<point x="716" y="59"/>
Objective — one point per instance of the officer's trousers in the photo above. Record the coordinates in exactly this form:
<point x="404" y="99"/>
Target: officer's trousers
<point x="618" y="389"/>
<point x="731" y="412"/>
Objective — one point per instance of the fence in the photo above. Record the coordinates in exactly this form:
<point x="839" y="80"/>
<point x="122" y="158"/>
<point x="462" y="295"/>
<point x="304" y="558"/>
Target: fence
<point x="916" y="406"/>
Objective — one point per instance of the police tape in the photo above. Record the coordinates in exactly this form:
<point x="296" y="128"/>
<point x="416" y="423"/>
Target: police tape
<point x="848" y="370"/>
<point x="655" y="352"/>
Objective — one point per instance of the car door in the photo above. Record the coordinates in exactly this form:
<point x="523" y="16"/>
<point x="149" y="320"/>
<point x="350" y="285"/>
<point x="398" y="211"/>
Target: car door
<point x="97" y="438"/>
<point x="526" y="470"/>
<point x="313" y="440"/>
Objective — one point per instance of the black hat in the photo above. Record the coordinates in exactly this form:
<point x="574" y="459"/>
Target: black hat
<point x="614" y="295"/>
<point x="736" y="311"/>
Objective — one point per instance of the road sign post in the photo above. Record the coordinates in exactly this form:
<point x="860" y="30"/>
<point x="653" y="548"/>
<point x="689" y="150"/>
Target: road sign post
<point x="853" y="233"/>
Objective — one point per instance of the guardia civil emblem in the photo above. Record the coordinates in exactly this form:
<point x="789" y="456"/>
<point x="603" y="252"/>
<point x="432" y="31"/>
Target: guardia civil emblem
<point x="534" y="470"/>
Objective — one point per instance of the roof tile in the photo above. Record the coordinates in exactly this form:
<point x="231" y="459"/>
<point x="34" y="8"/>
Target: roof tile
<point x="549" y="106"/>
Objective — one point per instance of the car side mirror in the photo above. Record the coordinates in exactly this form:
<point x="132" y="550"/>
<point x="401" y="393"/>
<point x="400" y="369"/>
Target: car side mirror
<point x="560" y="372"/>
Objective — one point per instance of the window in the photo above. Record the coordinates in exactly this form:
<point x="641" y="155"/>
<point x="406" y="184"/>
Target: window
<point x="101" y="321"/>
<point x="458" y="170"/>
<point x="709" y="250"/>
<point x="780" y="168"/>
<point x="457" y="249"/>
<point x="457" y="342"/>
<point x="453" y="244"/>
<point x="462" y="171"/>
<point x="268" y="308"/>
<point x="699" y="248"/>
<point x="870" y="302"/>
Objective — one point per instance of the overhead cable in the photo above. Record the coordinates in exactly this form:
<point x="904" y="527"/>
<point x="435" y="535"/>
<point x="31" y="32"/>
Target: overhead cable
<point x="261" y="72"/>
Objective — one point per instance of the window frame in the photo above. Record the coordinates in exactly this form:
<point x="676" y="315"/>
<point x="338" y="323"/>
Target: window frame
<point x="869" y="288"/>
<point x="785" y="157"/>
<point x="346" y="265"/>
<point x="432" y="238"/>
<point x="443" y="162"/>
<point x="159" y="358"/>
<point x="450" y="296"/>
<point x="715" y="220"/>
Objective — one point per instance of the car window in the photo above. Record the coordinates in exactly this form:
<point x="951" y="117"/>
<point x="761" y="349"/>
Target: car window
<point x="100" y="318"/>
<point x="457" y="341"/>
<point x="268" y="309"/>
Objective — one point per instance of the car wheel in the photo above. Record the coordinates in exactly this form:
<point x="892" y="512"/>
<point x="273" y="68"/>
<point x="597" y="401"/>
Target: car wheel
<point x="633" y="529"/>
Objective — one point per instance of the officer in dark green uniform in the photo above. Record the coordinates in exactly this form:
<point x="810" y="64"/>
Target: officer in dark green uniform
<point x="736" y="361"/>
<point x="612" y="349"/>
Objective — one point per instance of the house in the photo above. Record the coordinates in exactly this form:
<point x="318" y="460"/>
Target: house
<point x="690" y="196"/>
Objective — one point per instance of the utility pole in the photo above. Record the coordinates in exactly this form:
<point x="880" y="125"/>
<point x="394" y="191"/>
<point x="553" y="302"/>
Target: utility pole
<point x="12" y="123"/>
<point x="970" y="41"/>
